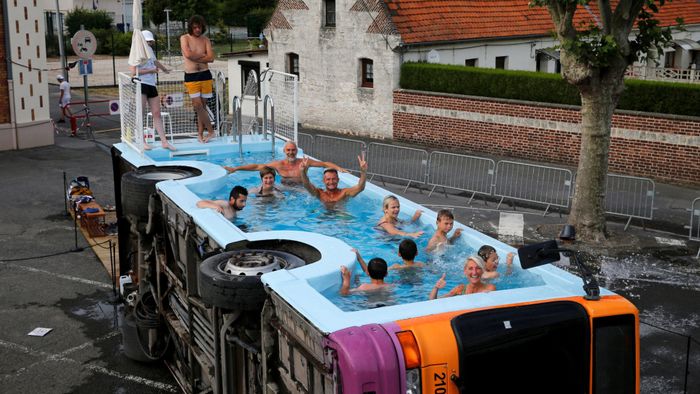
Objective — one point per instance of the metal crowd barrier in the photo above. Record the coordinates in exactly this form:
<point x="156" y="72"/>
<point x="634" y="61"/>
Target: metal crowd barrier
<point x="461" y="172"/>
<point x="306" y="143"/>
<point x="397" y="162"/>
<point x="694" y="227"/>
<point x="629" y="196"/>
<point x="533" y="183"/>
<point x="341" y="151"/>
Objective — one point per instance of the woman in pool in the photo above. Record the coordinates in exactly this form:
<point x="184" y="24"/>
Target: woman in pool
<point x="267" y="184"/>
<point x="490" y="257"/>
<point x="473" y="269"/>
<point x="390" y="220"/>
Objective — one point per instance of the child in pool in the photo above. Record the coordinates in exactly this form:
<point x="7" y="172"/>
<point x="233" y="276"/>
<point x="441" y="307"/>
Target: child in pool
<point x="376" y="269"/>
<point x="490" y="257"/>
<point x="445" y="221"/>
<point x="407" y="251"/>
<point x="473" y="269"/>
<point x="390" y="220"/>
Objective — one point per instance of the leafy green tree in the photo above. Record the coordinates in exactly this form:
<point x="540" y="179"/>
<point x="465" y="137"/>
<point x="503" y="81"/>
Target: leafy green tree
<point x="91" y="20"/>
<point x="153" y="11"/>
<point x="184" y="9"/>
<point x="234" y="12"/>
<point x="594" y="59"/>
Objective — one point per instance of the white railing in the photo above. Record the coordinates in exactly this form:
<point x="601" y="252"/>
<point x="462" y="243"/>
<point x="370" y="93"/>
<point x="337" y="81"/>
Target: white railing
<point x="663" y="74"/>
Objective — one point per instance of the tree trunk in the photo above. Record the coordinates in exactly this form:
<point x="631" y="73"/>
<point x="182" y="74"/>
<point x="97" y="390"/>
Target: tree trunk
<point x="588" y="207"/>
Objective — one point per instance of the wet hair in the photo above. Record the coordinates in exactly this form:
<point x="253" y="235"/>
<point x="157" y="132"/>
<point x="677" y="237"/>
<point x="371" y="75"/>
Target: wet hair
<point x="485" y="251"/>
<point x="408" y="249"/>
<point x="196" y="20"/>
<point x="476" y="259"/>
<point x="333" y="170"/>
<point x="445" y="213"/>
<point x="267" y="170"/>
<point x="237" y="191"/>
<point x="387" y="200"/>
<point x="376" y="268"/>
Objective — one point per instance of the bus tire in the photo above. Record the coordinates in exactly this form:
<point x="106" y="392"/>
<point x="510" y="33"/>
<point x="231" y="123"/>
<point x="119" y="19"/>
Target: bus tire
<point x="138" y="185"/>
<point x="223" y="290"/>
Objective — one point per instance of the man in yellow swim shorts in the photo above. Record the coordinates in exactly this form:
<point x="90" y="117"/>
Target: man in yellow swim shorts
<point x="198" y="53"/>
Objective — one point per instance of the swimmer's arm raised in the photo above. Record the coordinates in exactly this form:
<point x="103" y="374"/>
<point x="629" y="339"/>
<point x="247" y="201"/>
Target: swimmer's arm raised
<point x="456" y="235"/>
<point x="355" y="190"/>
<point x="361" y="261"/>
<point x="438" y="285"/>
<point x="345" y="286"/>
<point x="305" y="179"/>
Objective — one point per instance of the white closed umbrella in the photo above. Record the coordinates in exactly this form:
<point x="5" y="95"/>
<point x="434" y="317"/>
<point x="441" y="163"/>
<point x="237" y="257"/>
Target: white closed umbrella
<point x="140" y="52"/>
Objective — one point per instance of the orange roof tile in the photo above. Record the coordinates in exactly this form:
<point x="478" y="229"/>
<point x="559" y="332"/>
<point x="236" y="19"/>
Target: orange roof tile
<point x="428" y="21"/>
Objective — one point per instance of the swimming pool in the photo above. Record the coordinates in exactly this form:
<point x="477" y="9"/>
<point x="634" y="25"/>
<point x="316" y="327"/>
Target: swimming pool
<point x="353" y="222"/>
<point x="311" y="290"/>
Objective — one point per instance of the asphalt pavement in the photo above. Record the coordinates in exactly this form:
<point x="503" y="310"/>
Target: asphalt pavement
<point x="48" y="278"/>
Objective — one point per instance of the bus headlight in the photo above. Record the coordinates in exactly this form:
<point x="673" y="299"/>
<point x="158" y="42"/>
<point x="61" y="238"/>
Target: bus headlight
<point x="413" y="385"/>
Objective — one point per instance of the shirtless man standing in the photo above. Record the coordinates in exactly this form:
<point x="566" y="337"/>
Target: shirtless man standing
<point x="289" y="168"/>
<point x="197" y="53"/>
<point x="333" y="193"/>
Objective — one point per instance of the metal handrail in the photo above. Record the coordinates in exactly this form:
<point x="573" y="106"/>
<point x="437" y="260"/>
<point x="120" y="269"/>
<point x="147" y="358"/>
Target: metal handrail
<point x="238" y="122"/>
<point x="272" y="118"/>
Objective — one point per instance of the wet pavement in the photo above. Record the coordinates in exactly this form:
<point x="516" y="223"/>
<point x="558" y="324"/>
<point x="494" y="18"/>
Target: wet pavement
<point x="46" y="282"/>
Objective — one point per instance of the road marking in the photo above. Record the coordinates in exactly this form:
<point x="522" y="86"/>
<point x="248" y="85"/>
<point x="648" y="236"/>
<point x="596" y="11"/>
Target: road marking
<point x="510" y="227"/>
<point x="67" y="277"/>
<point x="92" y="367"/>
<point x="669" y="241"/>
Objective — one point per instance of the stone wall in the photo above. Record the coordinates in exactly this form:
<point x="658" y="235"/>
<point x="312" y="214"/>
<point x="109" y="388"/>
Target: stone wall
<point x="330" y="95"/>
<point x="664" y="148"/>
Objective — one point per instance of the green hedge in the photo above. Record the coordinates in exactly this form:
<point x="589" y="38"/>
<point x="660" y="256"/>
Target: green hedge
<point x="645" y="96"/>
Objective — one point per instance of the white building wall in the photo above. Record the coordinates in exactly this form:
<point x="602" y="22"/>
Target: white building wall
<point x="521" y="54"/>
<point x="114" y="8"/>
<point x="30" y="92"/>
<point x="330" y="96"/>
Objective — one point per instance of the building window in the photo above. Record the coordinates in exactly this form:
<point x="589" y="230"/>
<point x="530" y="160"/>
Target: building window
<point x="367" y="70"/>
<point x="502" y="62"/>
<point x="472" y="62"/>
<point x="293" y="64"/>
<point x="329" y="12"/>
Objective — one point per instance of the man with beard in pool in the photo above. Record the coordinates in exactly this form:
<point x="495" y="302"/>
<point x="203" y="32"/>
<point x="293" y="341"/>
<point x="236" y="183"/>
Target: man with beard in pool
<point x="289" y="168"/>
<point x="236" y="202"/>
<point x="332" y="193"/>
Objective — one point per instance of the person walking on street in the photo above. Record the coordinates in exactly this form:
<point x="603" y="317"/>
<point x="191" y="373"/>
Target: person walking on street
<point x="64" y="100"/>
<point x="197" y="54"/>
<point x="147" y="74"/>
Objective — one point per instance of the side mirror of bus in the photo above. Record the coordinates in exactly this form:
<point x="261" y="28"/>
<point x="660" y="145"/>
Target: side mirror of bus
<point x="538" y="254"/>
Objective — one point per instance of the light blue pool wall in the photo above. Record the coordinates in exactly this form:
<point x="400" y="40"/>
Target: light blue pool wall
<point x="301" y="287"/>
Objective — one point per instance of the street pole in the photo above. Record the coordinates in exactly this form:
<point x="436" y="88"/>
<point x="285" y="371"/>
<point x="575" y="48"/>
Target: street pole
<point x="61" y="50"/>
<point x="167" y="27"/>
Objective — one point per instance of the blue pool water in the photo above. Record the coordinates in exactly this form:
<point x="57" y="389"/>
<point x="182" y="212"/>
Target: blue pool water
<point x="353" y="222"/>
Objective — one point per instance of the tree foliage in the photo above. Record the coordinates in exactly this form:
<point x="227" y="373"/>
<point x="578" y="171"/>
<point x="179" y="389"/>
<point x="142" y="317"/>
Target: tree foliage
<point x="153" y="11"/>
<point x="236" y="12"/>
<point x="90" y="19"/>
<point x="594" y="56"/>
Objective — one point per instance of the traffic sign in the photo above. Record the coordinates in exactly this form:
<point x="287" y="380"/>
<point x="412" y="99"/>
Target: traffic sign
<point x="114" y="107"/>
<point x="85" y="67"/>
<point x="84" y="44"/>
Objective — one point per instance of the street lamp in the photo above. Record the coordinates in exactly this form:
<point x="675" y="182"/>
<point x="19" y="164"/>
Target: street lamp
<point x="167" y="27"/>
